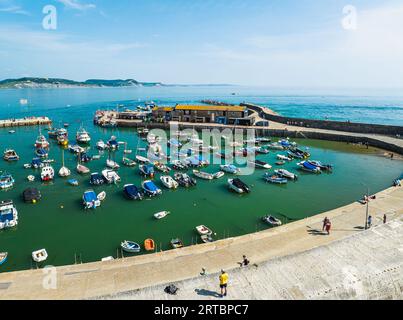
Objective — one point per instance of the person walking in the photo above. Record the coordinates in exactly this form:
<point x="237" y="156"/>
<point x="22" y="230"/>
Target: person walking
<point x="224" y="283"/>
<point x="385" y="218"/>
<point x="325" y="222"/>
<point x="328" y="227"/>
<point x="245" y="262"/>
<point x="369" y="222"/>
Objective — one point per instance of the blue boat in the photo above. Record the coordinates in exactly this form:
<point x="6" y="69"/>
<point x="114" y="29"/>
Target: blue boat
<point x="306" y="166"/>
<point x="275" y="179"/>
<point x="151" y="189"/>
<point x="3" y="257"/>
<point x="41" y="153"/>
<point x="132" y="192"/>
<point x="6" y="181"/>
<point x="8" y="214"/>
<point x="147" y="170"/>
<point x="85" y="158"/>
<point x="36" y="163"/>
<point x="113" y="144"/>
<point x="130" y="246"/>
<point x="90" y="200"/>
<point x="97" y="179"/>
<point x="295" y="155"/>
<point x="73" y="182"/>
<point x="321" y="166"/>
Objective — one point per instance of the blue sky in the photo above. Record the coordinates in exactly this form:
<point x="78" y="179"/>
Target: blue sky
<point x="258" y="42"/>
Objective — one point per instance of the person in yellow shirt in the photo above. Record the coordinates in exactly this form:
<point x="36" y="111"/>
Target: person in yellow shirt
<point x="224" y="283"/>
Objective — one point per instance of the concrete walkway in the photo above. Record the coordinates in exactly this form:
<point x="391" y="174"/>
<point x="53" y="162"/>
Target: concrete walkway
<point x="116" y="277"/>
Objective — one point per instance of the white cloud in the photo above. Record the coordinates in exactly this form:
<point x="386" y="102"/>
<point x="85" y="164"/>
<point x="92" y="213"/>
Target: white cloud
<point x="77" y="5"/>
<point x="8" y="6"/>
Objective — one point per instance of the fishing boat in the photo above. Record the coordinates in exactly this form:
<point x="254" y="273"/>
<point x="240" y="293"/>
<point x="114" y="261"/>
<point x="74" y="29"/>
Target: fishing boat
<point x="219" y="175"/>
<point x="150" y="188"/>
<point x="101" y="196"/>
<point x="101" y="145"/>
<point x="62" y="140"/>
<point x="31" y="195"/>
<point x="128" y="162"/>
<point x="8" y="215"/>
<point x="169" y="182"/>
<point x="203" y="230"/>
<point x="96" y="179"/>
<point x="83" y="136"/>
<point x="147" y="170"/>
<point x="321" y="166"/>
<point x="259" y="164"/>
<point x="64" y="171"/>
<point x="130" y="247"/>
<point x="113" y="144"/>
<point x="177" y="243"/>
<point x="42" y="153"/>
<point x="203" y="175"/>
<point x="90" y="200"/>
<point x="3" y="257"/>
<point x="10" y="155"/>
<point x="308" y="167"/>
<point x="73" y="182"/>
<point x="162" y="167"/>
<point x="283" y="157"/>
<point x="47" y="173"/>
<point x="179" y="165"/>
<point x="286" y="174"/>
<point x="229" y="168"/>
<point x="161" y="215"/>
<point x="111" y="176"/>
<point x="149" y="245"/>
<point x="41" y="142"/>
<point x="132" y="192"/>
<point x="275" y="179"/>
<point x="238" y="186"/>
<point x="272" y="221"/>
<point x="6" y="181"/>
<point x="40" y="255"/>
<point x="31" y="178"/>
<point x="185" y="180"/>
<point x="142" y="159"/>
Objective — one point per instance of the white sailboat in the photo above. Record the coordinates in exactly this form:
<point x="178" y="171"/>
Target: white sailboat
<point x="64" y="171"/>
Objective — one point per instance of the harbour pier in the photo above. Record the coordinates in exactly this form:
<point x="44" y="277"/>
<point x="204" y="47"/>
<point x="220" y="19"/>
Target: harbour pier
<point x="24" y="122"/>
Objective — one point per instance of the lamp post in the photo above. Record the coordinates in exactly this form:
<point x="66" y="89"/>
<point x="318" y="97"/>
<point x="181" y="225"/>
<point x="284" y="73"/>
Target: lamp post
<point x="367" y="212"/>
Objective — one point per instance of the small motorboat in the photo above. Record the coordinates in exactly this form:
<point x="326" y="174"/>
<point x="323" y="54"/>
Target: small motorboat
<point x="286" y="174"/>
<point x="111" y="176"/>
<point x="41" y="142"/>
<point x="161" y="215"/>
<point x="128" y="162"/>
<point x="203" y="230"/>
<point x="73" y="182"/>
<point x="47" y="173"/>
<point x="238" y="186"/>
<point x="3" y="257"/>
<point x="219" y="175"/>
<point x="37" y="163"/>
<point x="12" y="131"/>
<point x="280" y="163"/>
<point x="31" y="195"/>
<point x="229" y="168"/>
<point x="275" y="146"/>
<point x="262" y="150"/>
<point x="259" y="164"/>
<point x="90" y="200"/>
<point x="169" y="182"/>
<point x="179" y="165"/>
<point x="272" y="221"/>
<point x="62" y="140"/>
<point x="107" y="259"/>
<point x="149" y="245"/>
<point x="83" y="157"/>
<point x="113" y="144"/>
<point x="132" y="192"/>
<point x="83" y="136"/>
<point x="112" y="164"/>
<point x="147" y="170"/>
<point x="101" y="145"/>
<point x="41" y="153"/>
<point x="6" y="181"/>
<point x="102" y="196"/>
<point x="82" y="169"/>
<point x="274" y="179"/>
<point x="308" y="167"/>
<point x="185" y="180"/>
<point x="177" y="243"/>
<point x="295" y="155"/>
<point x="40" y="256"/>
<point x="162" y="167"/>
<point x="10" y="155"/>
<point x="130" y="246"/>
<point x="96" y="179"/>
<point x="321" y="166"/>
<point x="207" y="238"/>
<point x="8" y="215"/>
<point x="203" y="175"/>
<point x="76" y="149"/>
<point x="151" y="189"/>
<point x="283" y="157"/>
<point x="143" y="160"/>
<point x="31" y="178"/>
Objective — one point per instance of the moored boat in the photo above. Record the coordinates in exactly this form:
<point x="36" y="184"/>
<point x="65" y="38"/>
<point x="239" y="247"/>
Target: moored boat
<point x="8" y="215"/>
<point x="128" y="162"/>
<point x="10" y="155"/>
<point x="258" y="164"/>
<point x="31" y="195"/>
<point x="169" y="182"/>
<point x="42" y="153"/>
<point x="82" y="169"/>
<point x="90" y="200"/>
<point x="142" y="159"/>
<point x="3" y="257"/>
<point x="177" y="243"/>
<point x="41" y="142"/>
<point x="203" y="230"/>
<point x="31" y="178"/>
<point x="275" y="179"/>
<point x="96" y="179"/>
<point x="6" y="181"/>
<point x="73" y="182"/>
<point x="130" y="246"/>
<point x="161" y="215"/>
<point x="219" y="175"/>
<point x="238" y="186"/>
<point x="308" y="167"/>
<point x="40" y="255"/>
<point x="132" y="192"/>
<point x="112" y="164"/>
<point x="47" y="173"/>
<point x="111" y="176"/>
<point x="283" y="157"/>
<point x="229" y="168"/>
<point x="149" y="245"/>
<point x="162" y="167"/>
<point x="64" y="171"/>
<point x="83" y="136"/>
<point x="286" y="174"/>
<point x="147" y="170"/>
<point x="203" y="175"/>
<point x="321" y="166"/>
<point x="272" y="221"/>
<point x="101" y="145"/>
<point x="185" y="180"/>
<point x="150" y="188"/>
<point x="101" y="196"/>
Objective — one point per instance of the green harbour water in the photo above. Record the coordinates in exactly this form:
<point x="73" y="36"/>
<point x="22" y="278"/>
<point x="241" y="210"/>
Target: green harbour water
<point x="61" y="225"/>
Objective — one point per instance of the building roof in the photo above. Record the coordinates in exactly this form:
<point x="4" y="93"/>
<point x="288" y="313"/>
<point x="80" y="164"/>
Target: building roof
<point x="168" y="109"/>
<point x="210" y="108"/>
